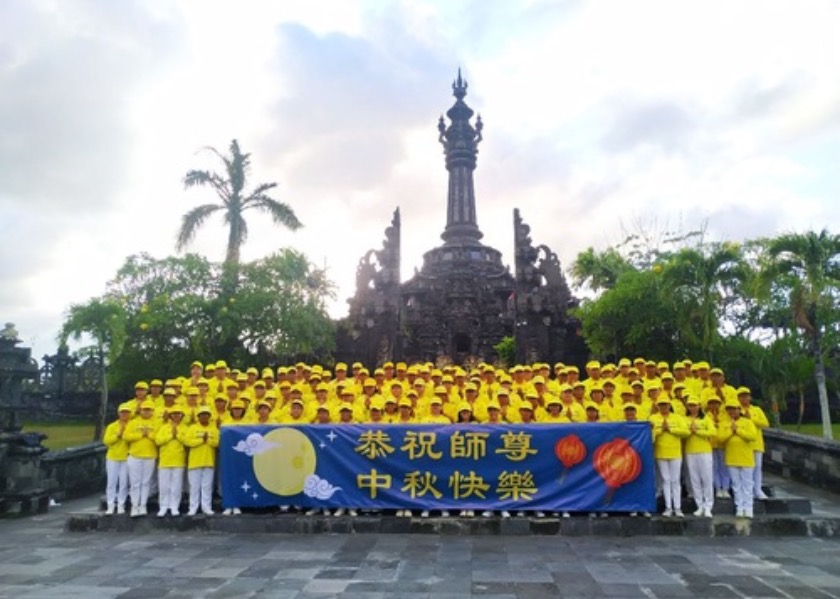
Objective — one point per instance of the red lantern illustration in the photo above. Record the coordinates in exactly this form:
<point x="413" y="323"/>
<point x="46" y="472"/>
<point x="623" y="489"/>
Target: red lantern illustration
<point x="618" y="464"/>
<point x="571" y="451"/>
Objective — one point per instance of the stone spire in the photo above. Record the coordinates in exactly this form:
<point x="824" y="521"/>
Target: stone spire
<point x="460" y="145"/>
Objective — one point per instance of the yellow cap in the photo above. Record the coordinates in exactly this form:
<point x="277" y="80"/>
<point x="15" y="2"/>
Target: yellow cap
<point x="141" y="385"/>
<point x="147" y="405"/>
<point x="124" y="407"/>
<point x="237" y="404"/>
<point x="405" y="403"/>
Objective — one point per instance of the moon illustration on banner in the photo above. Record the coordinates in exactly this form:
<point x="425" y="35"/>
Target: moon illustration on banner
<point x="283" y="469"/>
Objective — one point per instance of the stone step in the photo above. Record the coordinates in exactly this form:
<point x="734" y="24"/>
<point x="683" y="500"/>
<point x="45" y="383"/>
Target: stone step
<point x="613" y="526"/>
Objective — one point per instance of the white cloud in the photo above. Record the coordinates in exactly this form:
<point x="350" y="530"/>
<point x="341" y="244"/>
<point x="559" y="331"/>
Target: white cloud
<point x="595" y="112"/>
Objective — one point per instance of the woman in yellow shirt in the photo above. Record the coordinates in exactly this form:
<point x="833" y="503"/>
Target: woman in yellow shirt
<point x="171" y="462"/>
<point x="698" y="457"/>
<point x="142" y="452"/>
<point x="116" y="461"/>
<point x="202" y="438"/>
<point x="737" y="437"/>
<point x="759" y="419"/>
<point x="668" y="432"/>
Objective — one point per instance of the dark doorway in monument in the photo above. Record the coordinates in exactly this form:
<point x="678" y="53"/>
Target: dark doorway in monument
<point x="461" y="344"/>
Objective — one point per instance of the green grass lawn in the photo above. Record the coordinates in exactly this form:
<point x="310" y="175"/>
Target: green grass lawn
<point x="61" y="435"/>
<point x="813" y="429"/>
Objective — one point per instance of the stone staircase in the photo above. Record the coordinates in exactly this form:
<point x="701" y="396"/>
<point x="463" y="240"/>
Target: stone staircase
<point x="780" y="515"/>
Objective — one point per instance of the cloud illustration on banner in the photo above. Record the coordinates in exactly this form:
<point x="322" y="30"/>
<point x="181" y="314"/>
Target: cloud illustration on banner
<point x="318" y="488"/>
<point x="254" y="444"/>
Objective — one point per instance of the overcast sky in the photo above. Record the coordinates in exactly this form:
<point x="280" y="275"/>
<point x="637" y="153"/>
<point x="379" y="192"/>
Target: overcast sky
<point x="597" y="113"/>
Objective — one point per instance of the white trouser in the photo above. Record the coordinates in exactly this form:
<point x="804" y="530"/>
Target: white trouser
<point x="669" y="470"/>
<point x="116" y="486"/>
<point x="170" y="487"/>
<point x="201" y="489"/>
<point x="701" y="475"/>
<point x="742" y="487"/>
<point x="758" y="477"/>
<point x="140" y="472"/>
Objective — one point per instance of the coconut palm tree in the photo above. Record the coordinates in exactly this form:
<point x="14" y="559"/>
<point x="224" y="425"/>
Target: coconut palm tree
<point x="807" y="266"/>
<point x="229" y="186"/>
<point x="703" y="281"/>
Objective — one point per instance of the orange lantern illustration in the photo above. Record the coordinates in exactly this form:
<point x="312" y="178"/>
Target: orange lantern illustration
<point x="618" y="464"/>
<point x="571" y="451"/>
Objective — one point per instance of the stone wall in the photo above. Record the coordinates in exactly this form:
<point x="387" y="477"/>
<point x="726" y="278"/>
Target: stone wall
<point x="803" y="457"/>
<point x="74" y="472"/>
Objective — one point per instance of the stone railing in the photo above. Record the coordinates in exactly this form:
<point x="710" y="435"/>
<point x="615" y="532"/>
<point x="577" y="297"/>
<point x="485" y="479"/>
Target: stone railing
<point x="74" y="472"/>
<point x="803" y="457"/>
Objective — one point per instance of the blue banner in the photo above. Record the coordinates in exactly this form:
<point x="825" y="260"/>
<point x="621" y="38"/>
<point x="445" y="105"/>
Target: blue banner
<point x="566" y="467"/>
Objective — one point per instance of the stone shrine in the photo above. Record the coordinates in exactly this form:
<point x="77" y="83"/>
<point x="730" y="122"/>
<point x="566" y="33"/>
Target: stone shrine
<point x="463" y="300"/>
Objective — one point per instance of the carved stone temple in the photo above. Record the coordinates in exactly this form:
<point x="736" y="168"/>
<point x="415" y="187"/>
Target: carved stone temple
<point x="463" y="300"/>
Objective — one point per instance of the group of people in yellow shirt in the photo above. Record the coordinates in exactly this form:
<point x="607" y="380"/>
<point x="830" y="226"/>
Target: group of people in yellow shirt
<point x="173" y="426"/>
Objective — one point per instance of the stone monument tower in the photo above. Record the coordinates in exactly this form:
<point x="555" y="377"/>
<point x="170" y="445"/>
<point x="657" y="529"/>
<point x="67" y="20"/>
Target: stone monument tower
<point x="463" y="300"/>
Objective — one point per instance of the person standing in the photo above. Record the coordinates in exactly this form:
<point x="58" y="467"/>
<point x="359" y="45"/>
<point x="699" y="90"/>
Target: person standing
<point x="737" y="437"/>
<point x="142" y="452"/>
<point x="668" y="432"/>
<point x="171" y="462"/>
<point x="116" y="461"/>
<point x="202" y="438"/>
<point x="698" y="457"/>
<point x="759" y="419"/>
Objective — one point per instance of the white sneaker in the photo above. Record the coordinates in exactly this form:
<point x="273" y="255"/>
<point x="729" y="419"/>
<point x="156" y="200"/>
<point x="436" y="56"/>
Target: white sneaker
<point x="314" y="511"/>
<point x="739" y="513"/>
<point x="192" y="512"/>
<point x="161" y="512"/>
<point x="135" y="511"/>
<point x="487" y="514"/>
<point x="462" y="514"/>
<point x="707" y="512"/>
<point x="407" y="513"/>
<point x="520" y="514"/>
<point x="353" y="513"/>
<point x="424" y="514"/>
<point x="566" y="515"/>
<point x="760" y="494"/>
<point x="284" y="508"/>
<point x="338" y="512"/>
<point x="207" y="512"/>
<point x="237" y="511"/>
<point x="748" y="513"/>
<point x="325" y="511"/>
<point x="505" y="514"/>
<point x="470" y="514"/>
<point x="679" y="514"/>
<point x="667" y="513"/>
<point x="634" y="514"/>
<point x="646" y="514"/>
<point x="604" y="515"/>
<point x="539" y="514"/>
<point x="227" y="512"/>
<point x="109" y="511"/>
<point x="176" y="513"/>
<point x="142" y="510"/>
<point x="120" y="509"/>
<point x="444" y="514"/>
<point x="699" y="512"/>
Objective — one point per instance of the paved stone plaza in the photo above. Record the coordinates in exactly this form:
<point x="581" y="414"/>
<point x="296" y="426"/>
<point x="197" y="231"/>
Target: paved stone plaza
<point x="39" y="560"/>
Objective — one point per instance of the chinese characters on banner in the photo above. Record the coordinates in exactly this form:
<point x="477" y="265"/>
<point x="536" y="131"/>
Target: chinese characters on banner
<point x="568" y="467"/>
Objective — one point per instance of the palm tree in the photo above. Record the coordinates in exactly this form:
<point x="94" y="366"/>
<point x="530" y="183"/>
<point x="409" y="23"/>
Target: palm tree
<point x="104" y="321"/>
<point x="704" y="280"/>
<point x="229" y="186"/>
<point x="807" y="266"/>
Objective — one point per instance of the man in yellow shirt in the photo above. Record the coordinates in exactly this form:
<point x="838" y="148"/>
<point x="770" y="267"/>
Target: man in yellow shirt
<point x="116" y="464"/>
